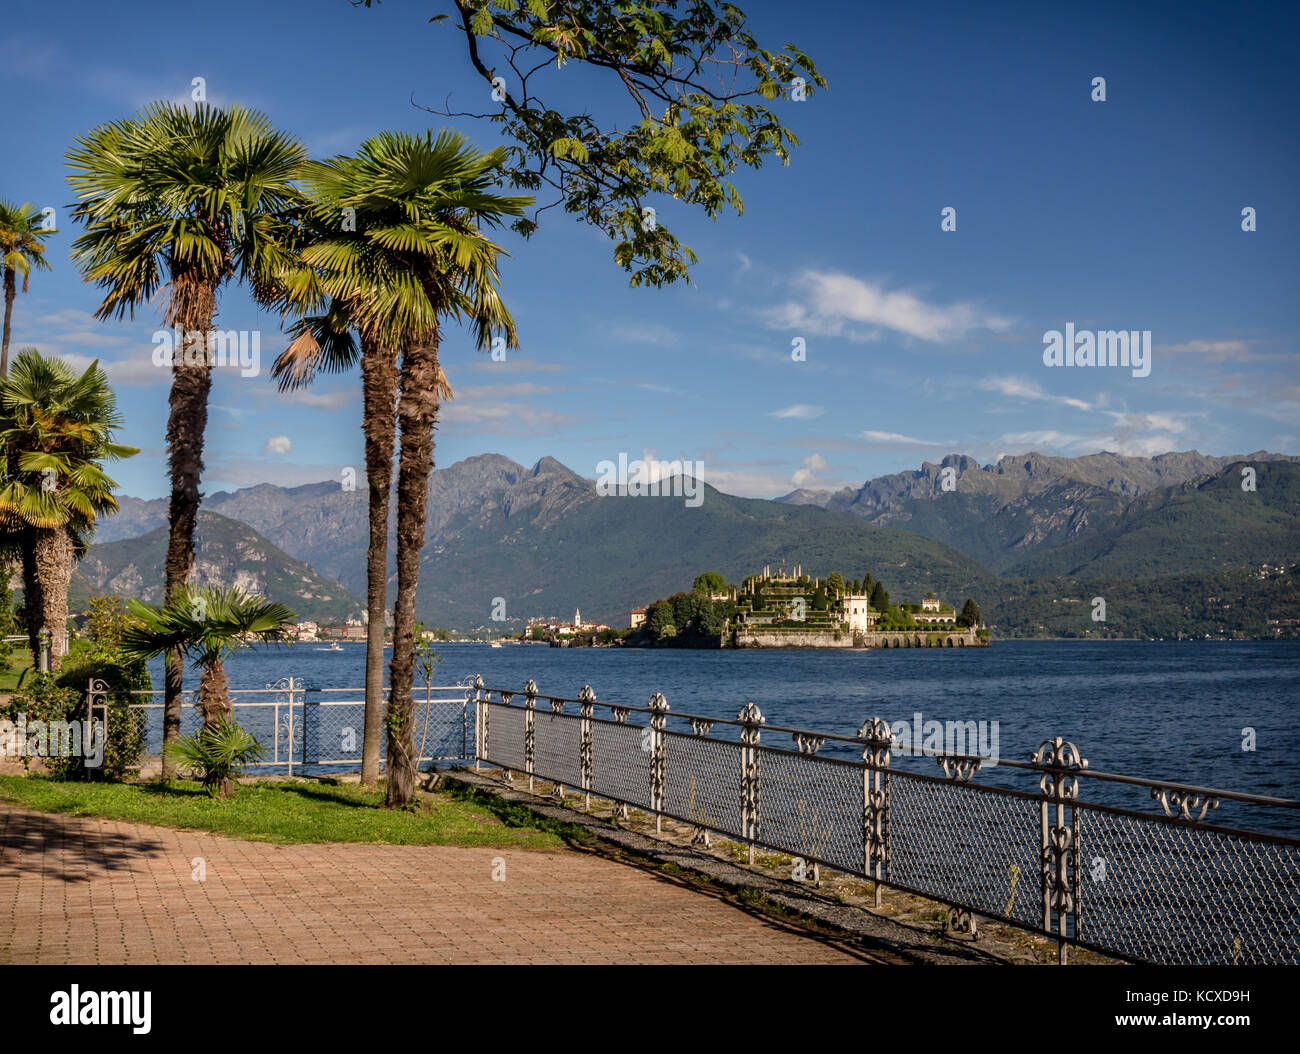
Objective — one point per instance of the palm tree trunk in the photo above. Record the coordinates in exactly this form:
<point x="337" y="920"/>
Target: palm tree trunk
<point x="10" y="293"/>
<point x="214" y="695"/>
<point x="191" y="383"/>
<point x="53" y="558"/>
<point x="32" y="602"/>
<point x="379" y="394"/>
<point x="417" y="411"/>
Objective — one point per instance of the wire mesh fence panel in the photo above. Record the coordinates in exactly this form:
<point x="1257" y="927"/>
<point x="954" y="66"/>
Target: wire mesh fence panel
<point x="333" y="734"/>
<point x="620" y="761"/>
<point x="150" y="715"/>
<point x="702" y="782"/>
<point x="967" y="845"/>
<point x="442" y="732"/>
<point x="811" y="807"/>
<point x="558" y="747"/>
<point x="315" y="736"/>
<point x="1168" y="892"/>
<point x="505" y="735"/>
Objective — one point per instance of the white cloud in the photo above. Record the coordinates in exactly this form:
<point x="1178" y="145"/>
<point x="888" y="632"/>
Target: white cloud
<point x="800" y="411"/>
<point x="812" y="464"/>
<point x="1022" y="388"/>
<point x="896" y="439"/>
<point x="833" y="303"/>
<point x="278" y="445"/>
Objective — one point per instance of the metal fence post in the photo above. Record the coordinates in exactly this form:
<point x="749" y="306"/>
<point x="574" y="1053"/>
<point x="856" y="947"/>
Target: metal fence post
<point x="877" y="741"/>
<point x="1059" y="839"/>
<point x="751" y="720"/>
<point x="304" y="735"/>
<point x="557" y="788"/>
<point x="97" y="696"/>
<point x="700" y="726"/>
<point x="620" y="716"/>
<point x="480" y="721"/>
<point x="586" y="709"/>
<point x="658" y="720"/>
<point x="530" y="730"/>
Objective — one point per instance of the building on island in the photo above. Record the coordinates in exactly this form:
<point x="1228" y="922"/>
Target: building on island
<point x="549" y="624"/>
<point x="788" y="609"/>
<point x="638" y="618"/>
<point x="935" y="613"/>
<point x="858" y="613"/>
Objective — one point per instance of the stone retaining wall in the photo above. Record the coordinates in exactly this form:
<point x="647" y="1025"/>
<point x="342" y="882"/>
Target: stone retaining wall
<point x="752" y="638"/>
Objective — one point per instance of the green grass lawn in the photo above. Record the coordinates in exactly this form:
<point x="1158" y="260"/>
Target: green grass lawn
<point x="20" y="662"/>
<point x="293" y="811"/>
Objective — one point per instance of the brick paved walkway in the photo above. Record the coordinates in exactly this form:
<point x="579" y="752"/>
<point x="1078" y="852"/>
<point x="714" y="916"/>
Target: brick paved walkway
<point x="77" y="890"/>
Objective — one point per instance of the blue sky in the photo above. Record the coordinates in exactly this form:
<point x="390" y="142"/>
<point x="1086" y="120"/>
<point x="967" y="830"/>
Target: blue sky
<point x="1123" y="214"/>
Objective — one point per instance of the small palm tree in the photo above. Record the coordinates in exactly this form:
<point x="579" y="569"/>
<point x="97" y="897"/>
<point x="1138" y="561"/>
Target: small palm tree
<point x="218" y="753"/>
<point x="206" y="624"/>
<point x="181" y="200"/>
<point x="56" y="430"/>
<point x="22" y="247"/>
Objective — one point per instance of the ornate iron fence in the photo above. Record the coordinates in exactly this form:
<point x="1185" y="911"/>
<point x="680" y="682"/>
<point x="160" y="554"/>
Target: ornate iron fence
<point x="1089" y="870"/>
<point x="313" y="731"/>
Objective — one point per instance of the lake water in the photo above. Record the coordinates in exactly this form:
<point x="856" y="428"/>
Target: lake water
<point x="1168" y="710"/>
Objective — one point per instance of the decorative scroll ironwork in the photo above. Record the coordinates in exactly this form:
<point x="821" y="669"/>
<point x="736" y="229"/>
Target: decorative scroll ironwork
<point x="586" y="707"/>
<point x="808" y="743"/>
<point x="877" y="740"/>
<point x="620" y="713"/>
<point x="959" y="769"/>
<point x="480" y="722"/>
<point x="701" y="726"/>
<point x="752" y="721"/>
<point x="290" y="729"/>
<point x="658" y="720"/>
<point x="1182" y="803"/>
<point x="530" y="730"/>
<point x="962" y="921"/>
<point x="1061" y="762"/>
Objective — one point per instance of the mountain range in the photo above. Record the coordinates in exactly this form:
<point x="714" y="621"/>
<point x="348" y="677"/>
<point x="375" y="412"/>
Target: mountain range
<point x="1015" y="534"/>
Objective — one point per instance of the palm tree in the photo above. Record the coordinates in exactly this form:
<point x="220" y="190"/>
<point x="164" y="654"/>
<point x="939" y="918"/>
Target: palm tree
<point x="420" y="204"/>
<point x="371" y="296"/>
<point x="182" y="200"/>
<point x="56" y="428"/>
<point x="22" y="247"/>
<point x="208" y="624"/>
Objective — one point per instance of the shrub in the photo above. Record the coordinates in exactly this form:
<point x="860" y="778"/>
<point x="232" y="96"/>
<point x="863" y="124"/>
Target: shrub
<point x="125" y="745"/>
<point x="43" y="699"/>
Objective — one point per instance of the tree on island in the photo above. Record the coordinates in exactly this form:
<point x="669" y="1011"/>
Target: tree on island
<point x="659" y="619"/>
<point x="710" y="583"/>
<point x="835" y="585"/>
<point x="879" y="598"/>
<point x="867" y="585"/>
<point x="970" y="614"/>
